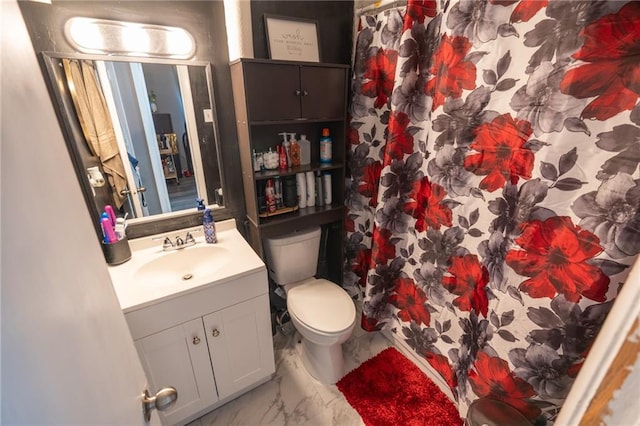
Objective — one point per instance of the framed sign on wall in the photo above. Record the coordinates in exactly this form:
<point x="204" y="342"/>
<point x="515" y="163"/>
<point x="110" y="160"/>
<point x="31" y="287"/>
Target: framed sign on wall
<point x="292" y="39"/>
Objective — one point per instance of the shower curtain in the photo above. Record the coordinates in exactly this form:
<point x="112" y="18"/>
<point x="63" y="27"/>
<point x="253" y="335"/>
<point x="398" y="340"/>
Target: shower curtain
<point x="493" y="204"/>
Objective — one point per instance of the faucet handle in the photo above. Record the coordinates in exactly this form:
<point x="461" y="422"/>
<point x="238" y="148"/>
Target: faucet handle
<point x="189" y="238"/>
<point x="166" y="243"/>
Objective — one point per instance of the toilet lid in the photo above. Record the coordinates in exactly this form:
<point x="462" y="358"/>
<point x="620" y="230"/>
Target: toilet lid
<point x="322" y="305"/>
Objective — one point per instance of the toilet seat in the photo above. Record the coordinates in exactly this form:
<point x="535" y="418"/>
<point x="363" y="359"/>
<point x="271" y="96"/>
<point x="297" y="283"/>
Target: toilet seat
<point x="322" y="306"/>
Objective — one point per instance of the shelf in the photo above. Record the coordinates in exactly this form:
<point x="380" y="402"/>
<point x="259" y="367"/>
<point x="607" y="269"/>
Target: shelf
<point x="300" y="219"/>
<point x="167" y="151"/>
<point x="297" y="121"/>
<point x="268" y="174"/>
<point x="279" y="212"/>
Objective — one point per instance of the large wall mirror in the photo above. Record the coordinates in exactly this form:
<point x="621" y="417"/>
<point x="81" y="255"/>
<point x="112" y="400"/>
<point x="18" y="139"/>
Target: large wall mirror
<point x="161" y="112"/>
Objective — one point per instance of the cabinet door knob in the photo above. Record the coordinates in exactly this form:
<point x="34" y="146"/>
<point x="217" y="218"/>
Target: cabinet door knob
<point x="196" y="340"/>
<point x="298" y="92"/>
<point x="215" y="332"/>
<point x="305" y="93"/>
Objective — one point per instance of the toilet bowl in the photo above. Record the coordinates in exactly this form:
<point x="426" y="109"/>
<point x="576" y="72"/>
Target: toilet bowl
<point x="325" y="316"/>
<point x="322" y="312"/>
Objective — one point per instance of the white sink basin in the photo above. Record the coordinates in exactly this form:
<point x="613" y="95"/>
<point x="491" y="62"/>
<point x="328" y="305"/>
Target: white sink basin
<point x="181" y="266"/>
<point x="152" y="275"/>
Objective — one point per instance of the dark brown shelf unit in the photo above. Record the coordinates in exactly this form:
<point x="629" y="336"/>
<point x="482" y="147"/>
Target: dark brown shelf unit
<point x="272" y="97"/>
<point x="268" y="174"/>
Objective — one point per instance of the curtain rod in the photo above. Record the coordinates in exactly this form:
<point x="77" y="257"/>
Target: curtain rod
<point x="379" y="6"/>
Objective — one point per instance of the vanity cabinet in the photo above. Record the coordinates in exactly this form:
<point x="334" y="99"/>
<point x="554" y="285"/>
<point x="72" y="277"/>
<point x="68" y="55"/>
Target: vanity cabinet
<point x="272" y="97"/>
<point x="211" y="345"/>
<point x="179" y="357"/>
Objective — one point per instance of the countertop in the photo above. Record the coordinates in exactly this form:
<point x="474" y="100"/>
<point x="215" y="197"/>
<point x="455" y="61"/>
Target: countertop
<point x="237" y="259"/>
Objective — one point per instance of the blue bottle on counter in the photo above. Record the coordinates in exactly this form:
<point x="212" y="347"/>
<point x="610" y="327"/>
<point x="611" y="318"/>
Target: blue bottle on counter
<point x="209" y="227"/>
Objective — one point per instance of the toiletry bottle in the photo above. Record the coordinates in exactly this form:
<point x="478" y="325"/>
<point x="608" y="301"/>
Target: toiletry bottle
<point x="270" y="196"/>
<point x="311" y="189"/>
<point x="112" y="214"/>
<point x="256" y="162"/>
<point x="326" y="187"/>
<point x="289" y="191"/>
<point x="278" y="190"/>
<point x="293" y="154"/>
<point x="325" y="147"/>
<point x="285" y="146"/>
<point x="301" y="187"/>
<point x="200" y="204"/>
<point x="283" y="157"/>
<point x="305" y="150"/>
<point x="209" y="227"/>
<point x="319" y="195"/>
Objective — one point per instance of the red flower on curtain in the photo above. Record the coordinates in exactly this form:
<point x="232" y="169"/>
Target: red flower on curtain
<point x="451" y="73"/>
<point x="611" y="70"/>
<point x="349" y="224"/>
<point x="380" y="71"/>
<point x="491" y="378"/>
<point x="417" y="10"/>
<point x="501" y="153"/>
<point x="441" y="364"/>
<point x="525" y="10"/>
<point x="399" y="140"/>
<point x="425" y="206"/>
<point x="555" y="255"/>
<point x="382" y="250"/>
<point x="370" y="182"/>
<point x="410" y="299"/>
<point x="360" y="265"/>
<point x="353" y="136"/>
<point x="469" y="280"/>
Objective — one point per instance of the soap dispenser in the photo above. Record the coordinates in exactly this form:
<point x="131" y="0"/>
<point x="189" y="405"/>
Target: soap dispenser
<point x="209" y="227"/>
<point x="293" y="151"/>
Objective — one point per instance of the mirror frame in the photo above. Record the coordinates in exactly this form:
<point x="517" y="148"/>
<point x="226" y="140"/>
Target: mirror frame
<point x="67" y="116"/>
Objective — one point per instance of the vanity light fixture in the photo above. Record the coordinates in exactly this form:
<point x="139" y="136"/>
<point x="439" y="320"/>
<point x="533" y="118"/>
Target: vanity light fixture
<point x="101" y="36"/>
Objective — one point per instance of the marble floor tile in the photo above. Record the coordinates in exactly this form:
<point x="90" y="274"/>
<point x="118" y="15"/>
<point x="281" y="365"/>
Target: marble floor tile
<point x="292" y="397"/>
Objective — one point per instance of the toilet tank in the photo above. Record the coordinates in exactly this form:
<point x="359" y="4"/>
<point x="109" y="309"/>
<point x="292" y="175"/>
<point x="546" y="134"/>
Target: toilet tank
<point x="293" y="257"/>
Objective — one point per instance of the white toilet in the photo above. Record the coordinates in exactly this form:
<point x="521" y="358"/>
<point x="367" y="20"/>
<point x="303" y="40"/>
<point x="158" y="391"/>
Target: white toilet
<point x="321" y="311"/>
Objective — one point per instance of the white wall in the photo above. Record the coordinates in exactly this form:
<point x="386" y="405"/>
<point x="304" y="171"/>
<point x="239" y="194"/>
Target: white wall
<point x="57" y="297"/>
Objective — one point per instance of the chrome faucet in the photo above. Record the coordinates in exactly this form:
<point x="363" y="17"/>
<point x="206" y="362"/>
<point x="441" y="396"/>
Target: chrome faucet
<point x="180" y="243"/>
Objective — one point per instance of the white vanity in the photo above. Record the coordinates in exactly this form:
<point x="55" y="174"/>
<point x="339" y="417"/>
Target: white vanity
<point x="199" y="317"/>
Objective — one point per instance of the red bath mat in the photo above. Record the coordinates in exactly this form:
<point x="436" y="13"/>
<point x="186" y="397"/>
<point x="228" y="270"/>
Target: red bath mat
<point x="388" y="389"/>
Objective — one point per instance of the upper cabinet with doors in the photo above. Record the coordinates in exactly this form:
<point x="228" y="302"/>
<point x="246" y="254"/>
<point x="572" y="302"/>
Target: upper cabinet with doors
<point x="291" y="91"/>
<point x="275" y="97"/>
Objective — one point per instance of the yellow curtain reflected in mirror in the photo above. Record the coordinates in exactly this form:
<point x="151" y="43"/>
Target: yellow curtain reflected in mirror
<point x="96" y="124"/>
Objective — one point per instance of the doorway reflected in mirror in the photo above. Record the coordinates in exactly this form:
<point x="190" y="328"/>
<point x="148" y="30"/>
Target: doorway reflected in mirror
<point x="157" y="157"/>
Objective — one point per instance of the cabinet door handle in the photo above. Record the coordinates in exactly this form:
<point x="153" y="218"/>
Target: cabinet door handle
<point x="215" y="332"/>
<point x="298" y="92"/>
<point x="196" y="340"/>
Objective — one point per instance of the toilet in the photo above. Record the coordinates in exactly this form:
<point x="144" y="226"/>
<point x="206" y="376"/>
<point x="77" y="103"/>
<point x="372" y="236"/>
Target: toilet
<point x="321" y="311"/>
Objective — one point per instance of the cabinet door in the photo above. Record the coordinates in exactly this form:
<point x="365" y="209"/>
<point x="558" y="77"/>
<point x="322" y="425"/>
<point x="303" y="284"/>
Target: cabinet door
<point x="239" y="339"/>
<point x="272" y="91"/>
<point x="179" y="357"/>
<point x="324" y="92"/>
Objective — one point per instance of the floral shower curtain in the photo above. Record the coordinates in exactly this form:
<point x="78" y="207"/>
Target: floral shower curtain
<point x="493" y="207"/>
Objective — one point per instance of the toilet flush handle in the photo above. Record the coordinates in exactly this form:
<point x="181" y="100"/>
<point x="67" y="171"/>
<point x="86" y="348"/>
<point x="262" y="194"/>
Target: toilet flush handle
<point x="215" y="332"/>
